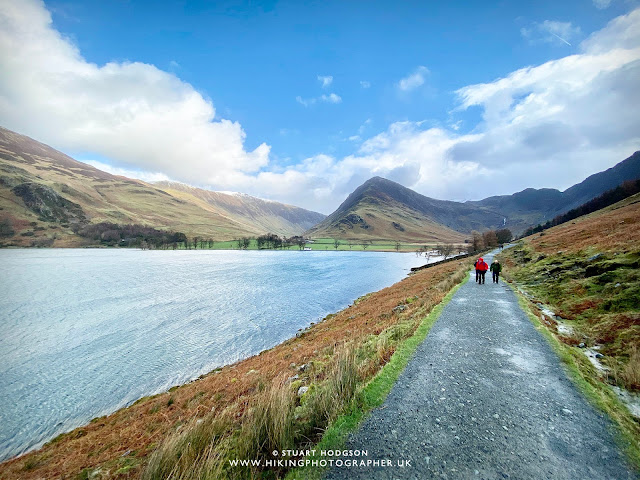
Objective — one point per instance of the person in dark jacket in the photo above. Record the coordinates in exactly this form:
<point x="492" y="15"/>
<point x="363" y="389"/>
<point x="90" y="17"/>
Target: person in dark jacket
<point x="481" y="269"/>
<point x="495" y="268"/>
<point x="475" y="265"/>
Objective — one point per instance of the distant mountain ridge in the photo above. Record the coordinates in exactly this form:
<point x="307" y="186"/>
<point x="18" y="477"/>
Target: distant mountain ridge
<point x="251" y="212"/>
<point x="381" y="208"/>
<point x="44" y="193"/>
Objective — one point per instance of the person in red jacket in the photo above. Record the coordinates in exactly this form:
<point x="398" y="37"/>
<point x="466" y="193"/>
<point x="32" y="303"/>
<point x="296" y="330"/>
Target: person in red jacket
<point x="481" y="270"/>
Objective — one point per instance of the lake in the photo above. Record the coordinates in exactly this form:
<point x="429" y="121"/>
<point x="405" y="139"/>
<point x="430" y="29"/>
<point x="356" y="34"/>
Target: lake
<point x="84" y="332"/>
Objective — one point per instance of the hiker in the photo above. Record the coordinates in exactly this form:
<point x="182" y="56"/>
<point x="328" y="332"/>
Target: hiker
<point x="495" y="268"/>
<point x="475" y="265"/>
<point x="481" y="269"/>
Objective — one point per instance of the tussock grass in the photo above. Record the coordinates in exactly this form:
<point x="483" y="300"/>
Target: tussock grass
<point x="191" y="453"/>
<point x="275" y="420"/>
<point x="630" y="374"/>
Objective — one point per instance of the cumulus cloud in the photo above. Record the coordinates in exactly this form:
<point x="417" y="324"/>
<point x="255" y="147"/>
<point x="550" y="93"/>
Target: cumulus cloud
<point x="549" y="125"/>
<point x="325" y="80"/>
<point x="413" y="80"/>
<point x="365" y="84"/>
<point x="550" y="31"/>
<point x="132" y="113"/>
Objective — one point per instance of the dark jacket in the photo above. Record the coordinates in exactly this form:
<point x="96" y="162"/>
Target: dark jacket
<point x="496" y="267"/>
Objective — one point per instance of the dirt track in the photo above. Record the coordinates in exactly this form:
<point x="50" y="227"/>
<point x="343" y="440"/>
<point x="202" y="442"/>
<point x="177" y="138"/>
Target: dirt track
<point x="486" y="397"/>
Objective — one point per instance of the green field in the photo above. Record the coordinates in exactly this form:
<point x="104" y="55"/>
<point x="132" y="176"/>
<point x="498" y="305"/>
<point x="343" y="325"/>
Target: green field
<point x="325" y="244"/>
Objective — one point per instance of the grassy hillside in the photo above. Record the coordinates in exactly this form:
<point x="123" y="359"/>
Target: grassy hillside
<point x="582" y="279"/>
<point x="45" y="193"/>
<point x="248" y="406"/>
<point x="588" y="271"/>
<point x="381" y="209"/>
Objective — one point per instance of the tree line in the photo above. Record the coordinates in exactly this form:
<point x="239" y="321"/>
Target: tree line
<point x="130" y="235"/>
<point x="622" y="191"/>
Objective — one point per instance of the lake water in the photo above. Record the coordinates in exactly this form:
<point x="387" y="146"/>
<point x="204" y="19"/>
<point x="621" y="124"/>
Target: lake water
<point x="84" y="332"/>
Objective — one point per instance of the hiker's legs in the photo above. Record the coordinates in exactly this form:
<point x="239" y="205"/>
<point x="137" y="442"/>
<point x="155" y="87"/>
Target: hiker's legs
<point x="482" y="274"/>
<point x="477" y="275"/>
<point x="496" y="276"/>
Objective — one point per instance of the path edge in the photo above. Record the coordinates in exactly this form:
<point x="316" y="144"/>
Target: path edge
<point x="375" y="391"/>
<point x="598" y="394"/>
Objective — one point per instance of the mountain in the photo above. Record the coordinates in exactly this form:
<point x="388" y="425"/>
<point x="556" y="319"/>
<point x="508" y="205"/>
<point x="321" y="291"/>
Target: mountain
<point x="532" y="206"/>
<point x="382" y="209"/>
<point x="251" y="212"/>
<point x="46" y="195"/>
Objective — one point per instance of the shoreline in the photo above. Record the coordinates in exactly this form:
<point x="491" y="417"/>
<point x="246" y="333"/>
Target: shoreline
<point x="195" y="378"/>
<point x="226" y="386"/>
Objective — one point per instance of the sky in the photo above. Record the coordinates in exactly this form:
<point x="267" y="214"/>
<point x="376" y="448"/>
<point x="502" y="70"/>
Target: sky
<point x="301" y="102"/>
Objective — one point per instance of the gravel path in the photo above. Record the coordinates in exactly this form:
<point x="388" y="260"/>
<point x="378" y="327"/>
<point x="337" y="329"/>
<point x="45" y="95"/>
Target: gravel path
<point x="485" y="397"/>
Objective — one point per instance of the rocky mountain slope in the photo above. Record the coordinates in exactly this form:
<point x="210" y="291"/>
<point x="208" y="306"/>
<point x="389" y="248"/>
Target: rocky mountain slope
<point x="46" y="196"/>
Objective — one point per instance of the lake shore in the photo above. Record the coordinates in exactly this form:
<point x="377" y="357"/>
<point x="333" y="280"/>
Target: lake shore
<point x="119" y="445"/>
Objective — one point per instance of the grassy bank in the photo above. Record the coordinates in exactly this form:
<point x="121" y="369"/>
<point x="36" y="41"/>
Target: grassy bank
<point x="246" y="409"/>
<point x="373" y="393"/>
<point x="581" y="282"/>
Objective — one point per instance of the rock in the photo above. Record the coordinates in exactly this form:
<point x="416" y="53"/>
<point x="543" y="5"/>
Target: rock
<point x="399" y="308"/>
<point x="566" y="411"/>
<point x="618" y="285"/>
<point x="302" y="390"/>
<point x="581" y="345"/>
<point x="304" y="367"/>
<point x="293" y="379"/>
<point x="599" y="355"/>
<point x="293" y="365"/>
<point x="594" y="257"/>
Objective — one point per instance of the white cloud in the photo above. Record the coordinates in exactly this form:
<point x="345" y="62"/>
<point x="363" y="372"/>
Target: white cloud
<point x="365" y="84"/>
<point x="414" y="80"/>
<point x="331" y="98"/>
<point x="132" y="113"/>
<point x="549" y="125"/>
<point x="602" y="4"/>
<point x="550" y="31"/>
<point x="325" y="80"/>
<point x="126" y="172"/>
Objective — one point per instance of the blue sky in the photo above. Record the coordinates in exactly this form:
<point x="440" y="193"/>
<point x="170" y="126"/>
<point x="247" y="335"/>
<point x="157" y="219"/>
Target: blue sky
<point x="303" y="101"/>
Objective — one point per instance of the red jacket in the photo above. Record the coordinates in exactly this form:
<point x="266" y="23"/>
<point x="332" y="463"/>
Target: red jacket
<point x="482" y="266"/>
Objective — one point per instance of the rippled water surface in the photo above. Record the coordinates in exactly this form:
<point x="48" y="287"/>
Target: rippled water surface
<point x="84" y="332"/>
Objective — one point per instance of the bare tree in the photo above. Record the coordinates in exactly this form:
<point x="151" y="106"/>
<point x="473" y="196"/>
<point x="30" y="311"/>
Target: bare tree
<point x="445" y="250"/>
<point x="490" y="239"/>
<point x="336" y="243"/>
<point x="365" y="244"/>
<point x="477" y="242"/>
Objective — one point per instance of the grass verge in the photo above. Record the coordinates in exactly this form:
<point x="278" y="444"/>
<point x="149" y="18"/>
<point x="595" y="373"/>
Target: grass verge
<point x="596" y="391"/>
<point x="374" y="392"/>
